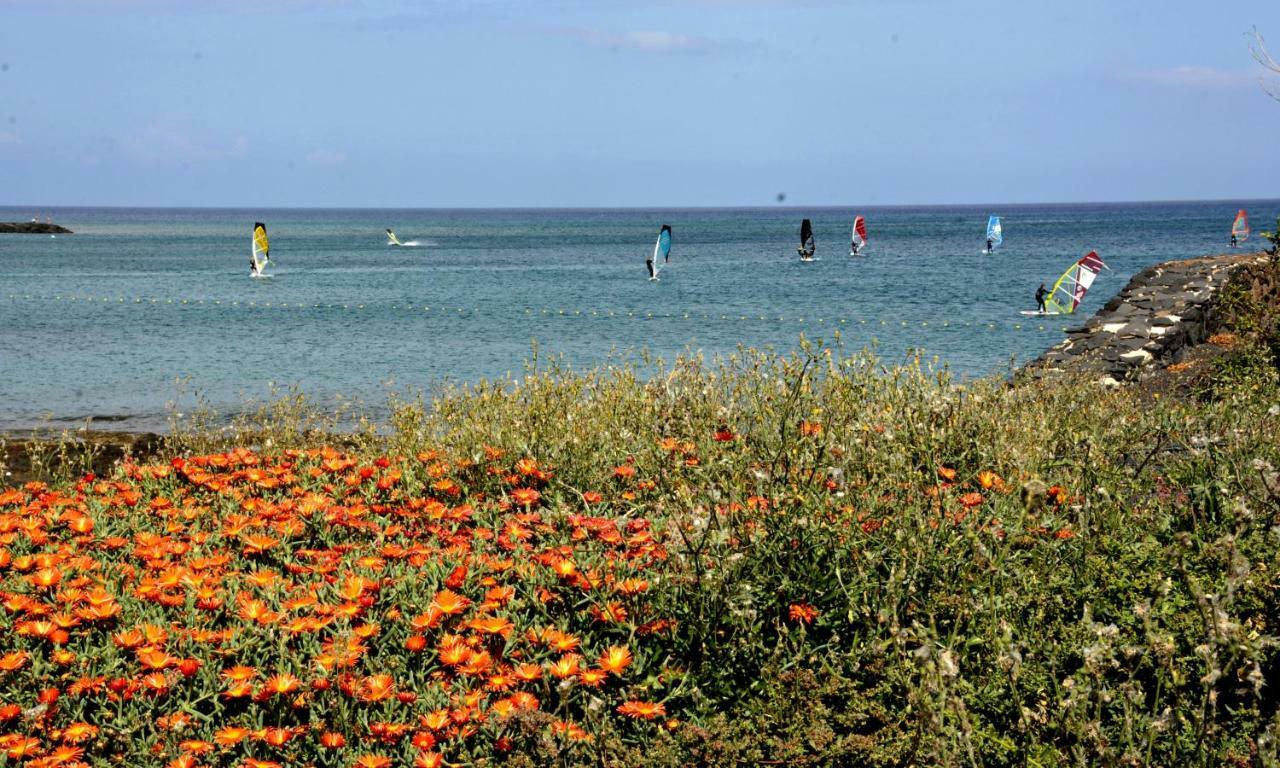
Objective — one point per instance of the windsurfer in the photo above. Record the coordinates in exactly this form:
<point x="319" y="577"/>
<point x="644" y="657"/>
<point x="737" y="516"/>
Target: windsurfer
<point x="1041" y="293"/>
<point x="1234" y="241"/>
<point x="990" y="245"/>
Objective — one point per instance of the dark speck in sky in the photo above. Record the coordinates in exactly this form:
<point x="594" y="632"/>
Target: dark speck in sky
<point x="198" y="55"/>
<point x="4" y="67"/>
<point x="893" y="38"/>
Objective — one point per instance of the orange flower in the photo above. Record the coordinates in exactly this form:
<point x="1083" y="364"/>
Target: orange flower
<point x="448" y="603"/>
<point x="230" y="736"/>
<point x="156" y="684"/>
<point x="276" y="737"/>
<point x="436" y="720"/>
<point x="196" y="746"/>
<point x="492" y="626"/>
<point x="566" y="666"/>
<point x="281" y="685"/>
<point x="79" y="732"/>
<point x="21" y="747"/>
<point x="810" y="428"/>
<point x="631" y="586"/>
<point x="239" y="674"/>
<point x="332" y="740"/>
<point x="643" y="710"/>
<point x="616" y="659"/>
<point x="453" y="651"/>
<point x="558" y="641"/>
<point x="527" y="673"/>
<point x="373" y="761"/>
<point x="257" y="544"/>
<point x="14" y="660"/>
<point x="802" y="613"/>
<point x="988" y="480"/>
<point x="377" y="688"/>
<point x="624" y="471"/>
<point x="971" y="499"/>
<point x="45" y="578"/>
<point x="525" y="497"/>
<point x="155" y="658"/>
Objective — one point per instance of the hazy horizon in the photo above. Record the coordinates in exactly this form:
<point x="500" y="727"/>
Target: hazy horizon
<point x="669" y="104"/>
<point x="37" y="208"/>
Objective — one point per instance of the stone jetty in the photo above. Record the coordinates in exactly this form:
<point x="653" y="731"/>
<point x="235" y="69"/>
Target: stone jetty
<point x="1164" y="310"/>
<point x="32" y="228"/>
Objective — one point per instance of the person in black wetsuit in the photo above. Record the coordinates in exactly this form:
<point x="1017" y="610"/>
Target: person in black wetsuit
<point x="1041" y="293"/>
<point x="1234" y="242"/>
<point x="990" y="245"/>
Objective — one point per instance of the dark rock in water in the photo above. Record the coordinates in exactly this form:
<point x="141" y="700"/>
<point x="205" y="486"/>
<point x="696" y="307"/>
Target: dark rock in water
<point x="32" y="228"/>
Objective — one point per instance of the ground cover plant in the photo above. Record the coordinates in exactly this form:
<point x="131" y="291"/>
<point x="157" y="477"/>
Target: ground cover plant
<point x="803" y="560"/>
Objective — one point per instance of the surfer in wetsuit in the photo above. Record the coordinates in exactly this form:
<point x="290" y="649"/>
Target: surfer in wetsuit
<point x="1234" y="241"/>
<point x="1041" y="293"/>
<point x="991" y="246"/>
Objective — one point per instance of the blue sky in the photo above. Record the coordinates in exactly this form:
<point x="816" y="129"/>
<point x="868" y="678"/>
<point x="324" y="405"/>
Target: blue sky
<point x="626" y="103"/>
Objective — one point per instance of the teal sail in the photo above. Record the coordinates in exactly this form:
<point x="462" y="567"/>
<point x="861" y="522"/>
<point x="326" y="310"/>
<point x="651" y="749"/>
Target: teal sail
<point x="661" y="252"/>
<point x="995" y="234"/>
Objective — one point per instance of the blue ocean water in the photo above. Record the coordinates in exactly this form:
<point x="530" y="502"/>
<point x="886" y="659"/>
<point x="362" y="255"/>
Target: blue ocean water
<point x="142" y="309"/>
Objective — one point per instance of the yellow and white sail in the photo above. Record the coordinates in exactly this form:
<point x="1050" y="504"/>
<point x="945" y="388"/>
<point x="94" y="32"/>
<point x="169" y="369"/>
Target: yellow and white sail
<point x="261" y="248"/>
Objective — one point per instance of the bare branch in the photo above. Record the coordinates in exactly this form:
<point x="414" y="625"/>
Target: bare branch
<point x="1258" y="49"/>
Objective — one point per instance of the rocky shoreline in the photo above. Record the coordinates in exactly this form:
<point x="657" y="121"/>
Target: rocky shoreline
<point x="1164" y="310"/>
<point x="28" y="455"/>
<point x="32" y="228"/>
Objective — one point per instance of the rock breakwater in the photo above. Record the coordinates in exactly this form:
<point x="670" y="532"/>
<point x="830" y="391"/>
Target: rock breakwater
<point x="1164" y="310"/>
<point x="32" y="228"/>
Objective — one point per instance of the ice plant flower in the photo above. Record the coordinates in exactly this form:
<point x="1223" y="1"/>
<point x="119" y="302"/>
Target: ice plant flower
<point x="643" y="710"/>
<point x="802" y="613"/>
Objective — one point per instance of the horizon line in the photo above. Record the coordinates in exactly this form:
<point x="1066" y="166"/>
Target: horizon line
<point x="777" y="206"/>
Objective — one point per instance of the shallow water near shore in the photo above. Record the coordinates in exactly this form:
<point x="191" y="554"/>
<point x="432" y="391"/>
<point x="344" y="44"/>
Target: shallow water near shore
<point x="143" y="309"/>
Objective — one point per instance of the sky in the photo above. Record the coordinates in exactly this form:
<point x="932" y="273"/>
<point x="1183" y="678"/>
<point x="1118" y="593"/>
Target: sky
<point x="603" y="103"/>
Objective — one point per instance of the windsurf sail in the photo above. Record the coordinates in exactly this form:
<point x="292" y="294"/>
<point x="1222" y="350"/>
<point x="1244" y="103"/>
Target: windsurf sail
<point x="662" y="248"/>
<point x="1070" y="289"/>
<point x="392" y="239"/>
<point x="859" y="236"/>
<point x="807" y="246"/>
<point x="1240" y="227"/>
<point x="261" y="248"/>
<point x="995" y="233"/>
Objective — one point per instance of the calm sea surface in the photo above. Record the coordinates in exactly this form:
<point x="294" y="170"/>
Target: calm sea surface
<point x="144" y="308"/>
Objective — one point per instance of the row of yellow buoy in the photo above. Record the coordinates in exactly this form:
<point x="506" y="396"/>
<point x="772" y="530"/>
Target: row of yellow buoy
<point x="543" y="312"/>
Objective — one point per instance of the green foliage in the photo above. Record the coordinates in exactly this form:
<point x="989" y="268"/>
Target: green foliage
<point x="1273" y="238"/>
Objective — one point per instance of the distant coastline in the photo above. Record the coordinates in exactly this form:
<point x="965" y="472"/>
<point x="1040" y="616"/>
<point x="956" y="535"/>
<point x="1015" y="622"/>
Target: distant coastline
<point x="32" y="228"/>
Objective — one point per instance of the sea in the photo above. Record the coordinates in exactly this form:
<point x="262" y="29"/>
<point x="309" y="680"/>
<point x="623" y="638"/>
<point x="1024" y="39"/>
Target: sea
<point x="146" y="312"/>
